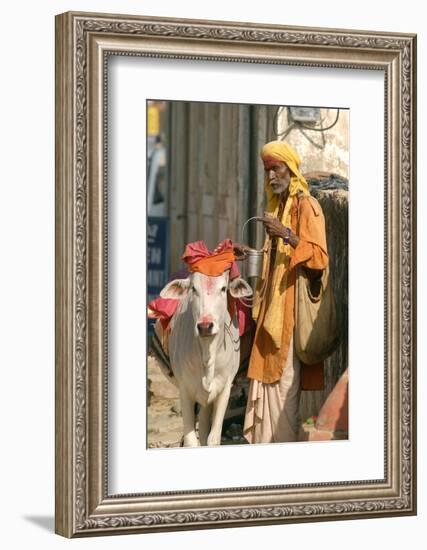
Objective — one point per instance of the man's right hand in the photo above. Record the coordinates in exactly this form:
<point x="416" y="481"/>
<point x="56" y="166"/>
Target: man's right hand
<point x="240" y="250"/>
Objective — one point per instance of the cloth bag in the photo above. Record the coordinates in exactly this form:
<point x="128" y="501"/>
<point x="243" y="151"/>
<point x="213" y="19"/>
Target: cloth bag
<point x="316" y="330"/>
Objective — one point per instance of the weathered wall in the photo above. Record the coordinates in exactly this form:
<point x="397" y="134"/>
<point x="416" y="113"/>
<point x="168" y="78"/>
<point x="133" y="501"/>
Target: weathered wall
<point x="214" y="169"/>
<point x="326" y="151"/>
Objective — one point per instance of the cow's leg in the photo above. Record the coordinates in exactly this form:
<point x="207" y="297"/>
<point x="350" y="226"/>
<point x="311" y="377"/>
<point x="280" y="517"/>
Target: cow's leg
<point x="189" y="419"/>
<point x="204" y="423"/>
<point x="219" y="408"/>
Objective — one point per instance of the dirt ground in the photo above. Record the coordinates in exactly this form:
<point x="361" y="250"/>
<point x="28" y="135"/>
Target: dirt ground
<point x="165" y="427"/>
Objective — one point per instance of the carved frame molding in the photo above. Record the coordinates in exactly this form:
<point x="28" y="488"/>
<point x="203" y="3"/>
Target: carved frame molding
<point x="83" y="43"/>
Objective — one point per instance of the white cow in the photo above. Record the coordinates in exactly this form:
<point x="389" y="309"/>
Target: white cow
<point x="204" y="350"/>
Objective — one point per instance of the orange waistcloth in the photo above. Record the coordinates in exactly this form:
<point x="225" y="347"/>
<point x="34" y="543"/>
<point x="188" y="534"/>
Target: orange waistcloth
<point x="267" y="361"/>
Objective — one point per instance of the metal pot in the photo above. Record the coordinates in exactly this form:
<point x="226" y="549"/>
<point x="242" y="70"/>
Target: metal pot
<point x="253" y="261"/>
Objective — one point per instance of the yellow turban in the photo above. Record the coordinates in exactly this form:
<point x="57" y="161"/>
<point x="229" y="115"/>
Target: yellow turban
<point x="279" y="151"/>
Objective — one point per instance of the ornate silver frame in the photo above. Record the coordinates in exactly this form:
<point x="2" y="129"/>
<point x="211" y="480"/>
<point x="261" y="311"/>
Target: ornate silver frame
<point x="83" y="42"/>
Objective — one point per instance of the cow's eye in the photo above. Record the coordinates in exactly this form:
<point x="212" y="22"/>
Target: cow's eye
<point x="194" y="289"/>
<point x="224" y="289"/>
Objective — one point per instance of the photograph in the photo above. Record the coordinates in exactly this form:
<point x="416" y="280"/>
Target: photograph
<point x="247" y="273"/>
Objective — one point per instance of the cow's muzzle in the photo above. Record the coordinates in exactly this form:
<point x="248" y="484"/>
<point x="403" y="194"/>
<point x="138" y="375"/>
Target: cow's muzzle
<point x="205" y="329"/>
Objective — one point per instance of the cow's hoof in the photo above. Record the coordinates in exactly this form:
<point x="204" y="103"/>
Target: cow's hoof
<point x="214" y="440"/>
<point x="191" y="441"/>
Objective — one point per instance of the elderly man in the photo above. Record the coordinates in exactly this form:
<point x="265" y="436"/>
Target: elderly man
<point x="295" y="229"/>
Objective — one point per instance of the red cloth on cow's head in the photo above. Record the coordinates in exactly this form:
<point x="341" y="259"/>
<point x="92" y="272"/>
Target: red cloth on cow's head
<point x="199" y="258"/>
<point x="164" y="308"/>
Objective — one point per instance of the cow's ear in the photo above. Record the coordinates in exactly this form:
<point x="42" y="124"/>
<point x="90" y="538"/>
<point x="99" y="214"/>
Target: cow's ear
<point x="239" y="288"/>
<point x="177" y="289"/>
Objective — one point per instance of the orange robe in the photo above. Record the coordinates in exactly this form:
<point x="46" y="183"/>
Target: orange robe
<point x="267" y="361"/>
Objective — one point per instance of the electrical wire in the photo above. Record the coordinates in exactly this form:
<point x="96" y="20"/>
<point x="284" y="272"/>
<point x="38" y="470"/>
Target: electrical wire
<point x="299" y="125"/>
<point x="320" y="129"/>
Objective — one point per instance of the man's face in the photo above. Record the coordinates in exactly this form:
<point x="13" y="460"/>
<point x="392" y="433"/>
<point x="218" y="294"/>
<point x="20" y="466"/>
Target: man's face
<point x="278" y="175"/>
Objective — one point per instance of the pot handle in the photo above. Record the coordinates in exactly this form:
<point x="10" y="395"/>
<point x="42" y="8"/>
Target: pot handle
<point x="257" y="218"/>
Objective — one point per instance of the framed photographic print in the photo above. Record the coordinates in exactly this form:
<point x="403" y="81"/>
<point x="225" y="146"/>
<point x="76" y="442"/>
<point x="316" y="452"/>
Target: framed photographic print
<point x="220" y="187"/>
